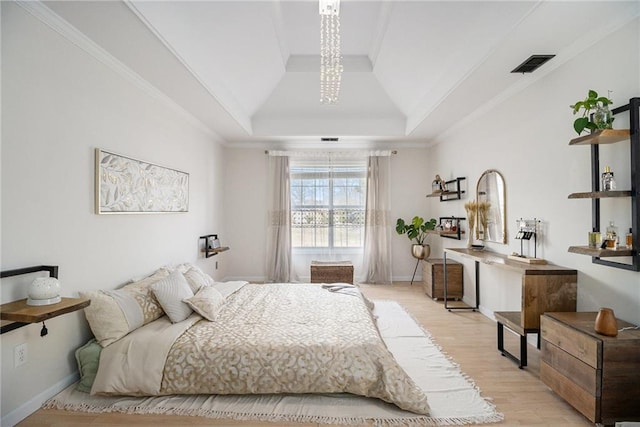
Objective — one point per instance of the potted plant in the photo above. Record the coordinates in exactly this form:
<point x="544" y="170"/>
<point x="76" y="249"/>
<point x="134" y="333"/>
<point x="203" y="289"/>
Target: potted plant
<point x="417" y="230"/>
<point x="596" y="105"/>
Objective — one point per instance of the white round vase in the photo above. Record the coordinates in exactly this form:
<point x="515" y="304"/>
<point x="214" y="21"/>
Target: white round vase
<point x="44" y="291"/>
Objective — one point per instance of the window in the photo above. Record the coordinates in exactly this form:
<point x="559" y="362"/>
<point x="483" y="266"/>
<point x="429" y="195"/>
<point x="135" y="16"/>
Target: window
<point x="328" y="203"/>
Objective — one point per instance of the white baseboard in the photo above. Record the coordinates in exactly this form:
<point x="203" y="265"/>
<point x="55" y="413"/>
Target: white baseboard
<point x="417" y="279"/>
<point x="32" y="405"/>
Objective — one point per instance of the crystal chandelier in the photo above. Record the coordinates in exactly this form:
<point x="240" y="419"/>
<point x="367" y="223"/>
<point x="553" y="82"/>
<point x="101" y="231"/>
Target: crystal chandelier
<point x="330" y="67"/>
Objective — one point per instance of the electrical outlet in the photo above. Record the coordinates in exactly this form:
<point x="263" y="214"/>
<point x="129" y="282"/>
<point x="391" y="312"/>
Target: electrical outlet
<point x="20" y="355"/>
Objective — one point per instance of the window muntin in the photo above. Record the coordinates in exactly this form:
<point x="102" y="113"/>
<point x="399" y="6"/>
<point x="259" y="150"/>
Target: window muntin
<point x="328" y="204"/>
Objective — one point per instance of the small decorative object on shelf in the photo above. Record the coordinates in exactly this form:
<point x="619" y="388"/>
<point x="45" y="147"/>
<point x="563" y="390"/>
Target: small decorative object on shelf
<point x="447" y="190"/>
<point x="606" y="323"/>
<point x="599" y="106"/>
<point x="595" y="239"/>
<point x="528" y="229"/>
<point x="602" y="117"/>
<point x="44" y="291"/>
<point x="437" y="186"/>
<point x="611" y="239"/>
<point x="608" y="181"/>
<point x="629" y="239"/>
<point x="449" y="227"/>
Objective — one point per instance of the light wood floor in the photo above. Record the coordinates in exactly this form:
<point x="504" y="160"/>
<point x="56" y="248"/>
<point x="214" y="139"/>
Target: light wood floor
<point x="468" y="337"/>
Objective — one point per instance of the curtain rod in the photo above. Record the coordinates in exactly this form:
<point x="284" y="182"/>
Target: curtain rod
<point x="381" y="153"/>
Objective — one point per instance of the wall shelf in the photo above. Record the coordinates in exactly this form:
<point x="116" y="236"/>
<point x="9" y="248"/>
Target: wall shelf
<point x="603" y="253"/>
<point x="211" y="252"/>
<point x="19" y="311"/>
<point x="212" y="245"/>
<point x="594" y="140"/>
<point x="17" y="314"/>
<point x="603" y="136"/>
<point x="452" y="190"/>
<point x="600" y="194"/>
<point x="449" y="234"/>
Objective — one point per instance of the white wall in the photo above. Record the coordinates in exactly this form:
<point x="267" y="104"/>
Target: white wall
<point x="526" y="139"/>
<point x="245" y="209"/>
<point x="245" y="205"/>
<point x="58" y="105"/>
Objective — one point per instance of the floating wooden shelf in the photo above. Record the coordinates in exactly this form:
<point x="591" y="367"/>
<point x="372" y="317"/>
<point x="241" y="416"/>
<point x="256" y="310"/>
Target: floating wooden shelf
<point x="445" y="233"/>
<point x="209" y="249"/>
<point x="604" y="136"/>
<point x="600" y="194"/>
<point x="452" y="190"/>
<point x="601" y="253"/>
<point x="17" y="314"/>
<point x="215" y="251"/>
<point x="445" y="193"/>
<point x="19" y="311"/>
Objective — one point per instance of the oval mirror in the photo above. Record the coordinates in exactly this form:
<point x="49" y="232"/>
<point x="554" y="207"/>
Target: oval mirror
<point x="491" y="225"/>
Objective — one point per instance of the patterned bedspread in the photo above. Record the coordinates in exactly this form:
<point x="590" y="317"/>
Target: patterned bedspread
<point x="286" y="338"/>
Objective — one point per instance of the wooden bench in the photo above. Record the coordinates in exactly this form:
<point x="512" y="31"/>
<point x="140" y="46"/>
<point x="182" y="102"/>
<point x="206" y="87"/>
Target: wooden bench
<point x="513" y="321"/>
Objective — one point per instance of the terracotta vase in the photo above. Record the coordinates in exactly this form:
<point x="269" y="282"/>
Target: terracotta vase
<point x="606" y="323"/>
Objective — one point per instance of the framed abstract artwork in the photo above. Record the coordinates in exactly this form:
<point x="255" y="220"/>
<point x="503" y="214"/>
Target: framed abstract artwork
<point x="125" y="185"/>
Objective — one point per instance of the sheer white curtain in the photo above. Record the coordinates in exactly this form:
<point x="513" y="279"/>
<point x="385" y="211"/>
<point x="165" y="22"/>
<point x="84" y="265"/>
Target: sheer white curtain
<point x="371" y="262"/>
<point x="279" y="263"/>
<point x="377" y="233"/>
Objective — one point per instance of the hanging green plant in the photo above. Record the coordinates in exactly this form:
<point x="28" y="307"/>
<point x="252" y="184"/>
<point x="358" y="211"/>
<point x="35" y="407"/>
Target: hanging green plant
<point x="596" y="105"/>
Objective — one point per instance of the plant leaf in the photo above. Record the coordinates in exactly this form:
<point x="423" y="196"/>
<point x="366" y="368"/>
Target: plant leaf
<point x="580" y="123"/>
<point x="417" y="221"/>
<point x="593" y="94"/>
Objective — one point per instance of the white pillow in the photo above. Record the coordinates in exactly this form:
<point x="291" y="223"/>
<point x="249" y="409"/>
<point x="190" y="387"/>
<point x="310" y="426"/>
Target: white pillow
<point x="113" y="314"/>
<point x="170" y="292"/>
<point x="207" y="302"/>
<point x="197" y="278"/>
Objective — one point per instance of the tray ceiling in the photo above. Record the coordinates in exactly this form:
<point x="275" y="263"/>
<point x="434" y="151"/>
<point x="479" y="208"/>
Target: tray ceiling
<point x="249" y="70"/>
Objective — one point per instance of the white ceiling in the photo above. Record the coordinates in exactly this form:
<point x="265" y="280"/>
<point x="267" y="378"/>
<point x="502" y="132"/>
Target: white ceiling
<point x="249" y="70"/>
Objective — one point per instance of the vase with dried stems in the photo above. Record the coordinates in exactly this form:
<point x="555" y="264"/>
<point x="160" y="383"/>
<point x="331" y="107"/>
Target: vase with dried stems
<point x="471" y="208"/>
<point x="483" y="218"/>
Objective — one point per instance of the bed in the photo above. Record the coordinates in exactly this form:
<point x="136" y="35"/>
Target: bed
<point x="257" y="339"/>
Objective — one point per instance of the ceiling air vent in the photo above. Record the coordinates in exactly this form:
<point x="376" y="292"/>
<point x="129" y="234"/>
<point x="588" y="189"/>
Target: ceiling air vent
<point x="329" y="139"/>
<point x="532" y="63"/>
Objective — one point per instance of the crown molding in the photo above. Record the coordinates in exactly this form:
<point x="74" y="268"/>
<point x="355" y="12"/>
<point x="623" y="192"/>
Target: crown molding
<point x="48" y="17"/>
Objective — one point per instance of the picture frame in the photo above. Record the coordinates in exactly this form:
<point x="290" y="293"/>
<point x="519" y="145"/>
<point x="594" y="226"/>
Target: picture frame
<point x="124" y="185"/>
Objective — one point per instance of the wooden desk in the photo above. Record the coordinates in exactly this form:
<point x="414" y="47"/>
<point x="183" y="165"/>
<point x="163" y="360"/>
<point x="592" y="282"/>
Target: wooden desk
<point x="545" y="288"/>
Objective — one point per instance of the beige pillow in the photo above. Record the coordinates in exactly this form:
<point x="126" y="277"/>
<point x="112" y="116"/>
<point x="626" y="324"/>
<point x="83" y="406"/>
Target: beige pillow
<point x="170" y="292"/>
<point x="197" y="278"/>
<point x="113" y="314"/>
<point x="207" y="302"/>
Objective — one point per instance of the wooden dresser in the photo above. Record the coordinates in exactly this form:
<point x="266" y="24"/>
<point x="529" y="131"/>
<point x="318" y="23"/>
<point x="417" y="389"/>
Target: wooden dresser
<point x="596" y="374"/>
<point x="433" y="278"/>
